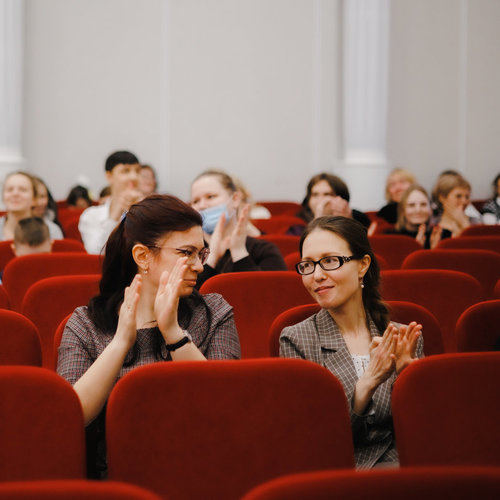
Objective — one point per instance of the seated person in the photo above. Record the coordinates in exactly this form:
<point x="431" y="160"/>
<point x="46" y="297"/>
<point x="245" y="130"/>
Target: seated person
<point x="97" y="222"/>
<point x="491" y="209"/>
<point x="31" y="236"/>
<point x="147" y="180"/>
<point x="79" y="198"/>
<point x="327" y="194"/>
<point x="19" y="197"/>
<point x="225" y="227"/>
<point x="398" y="181"/>
<point x="352" y="335"/>
<point x="147" y="311"/>
<point x="104" y="195"/>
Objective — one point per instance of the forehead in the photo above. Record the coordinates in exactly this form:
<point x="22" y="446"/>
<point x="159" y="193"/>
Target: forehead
<point x="18" y="180"/>
<point x="459" y="190"/>
<point x="191" y="237"/>
<point x="397" y="177"/>
<point x="322" y="242"/>
<point x="121" y="167"/>
<point x="416" y="196"/>
<point x="321" y="187"/>
<point x="206" y="184"/>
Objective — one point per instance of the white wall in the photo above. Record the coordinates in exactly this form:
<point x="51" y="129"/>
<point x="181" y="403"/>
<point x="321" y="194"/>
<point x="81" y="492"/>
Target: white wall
<point x="251" y="86"/>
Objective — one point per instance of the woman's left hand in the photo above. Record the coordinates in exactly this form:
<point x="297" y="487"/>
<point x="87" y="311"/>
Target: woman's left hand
<point x="238" y="237"/>
<point x="406" y="346"/>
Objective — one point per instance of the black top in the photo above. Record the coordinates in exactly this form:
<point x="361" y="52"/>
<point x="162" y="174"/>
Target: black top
<point x="389" y="212"/>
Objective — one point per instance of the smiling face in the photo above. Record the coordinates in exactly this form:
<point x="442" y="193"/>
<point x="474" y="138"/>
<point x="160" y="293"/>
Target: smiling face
<point x="397" y="184"/>
<point x="18" y="195"/>
<point x="208" y="192"/>
<point x="320" y="193"/>
<point x="417" y="209"/>
<point x="335" y="289"/>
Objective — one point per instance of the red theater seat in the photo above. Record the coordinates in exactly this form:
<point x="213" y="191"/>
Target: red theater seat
<point x="478" y="327"/>
<point x="478" y="242"/>
<point x="281" y="207"/>
<point x="278" y="224"/>
<point x="481" y="230"/>
<point x="285" y="243"/>
<point x="393" y="247"/>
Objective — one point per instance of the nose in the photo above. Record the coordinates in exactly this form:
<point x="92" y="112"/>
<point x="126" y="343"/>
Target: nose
<point x="196" y="265"/>
<point x="318" y="273"/>
<point x="201" y="205"/>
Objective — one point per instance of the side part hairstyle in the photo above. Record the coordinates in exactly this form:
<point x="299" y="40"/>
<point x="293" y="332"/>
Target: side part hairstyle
<point x="445" y="184"/>
<point x="355" y="234"/>
<point x="401" y="222"/>
<point x="146" y="222"/>
<point x="120" y="158"/>
<point x="225" y="180"/>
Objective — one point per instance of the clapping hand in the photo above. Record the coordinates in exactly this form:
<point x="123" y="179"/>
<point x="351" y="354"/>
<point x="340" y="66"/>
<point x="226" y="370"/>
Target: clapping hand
<point x="127" y="329"/>
<point x="406" y="346"/>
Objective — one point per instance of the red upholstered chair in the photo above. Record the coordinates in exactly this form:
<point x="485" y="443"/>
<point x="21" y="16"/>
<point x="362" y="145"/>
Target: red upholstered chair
<point x="68" y="245"/>
<point x="48" y="301"/>
<point x="285" y="242"/>
<point x="496" y="291"/>
<point x="446" y="410"/>
<point x="4" y="298"/>
<point x="481" y="230"/>
<point x="19" y="340"/>
<point x="446" y="294"/>
<point x="71" y="229"/>
<point x="281" y="207"/>
<point x="484" y="265"/>
<point x="393" y="247"/>
<point x="58" y="337"/>
<point x="41" y="426"/>
<point x="278" y="224"/>
<point x="478" y="242"/>
<point x="6" y="253"/>
<point x="21" y="272"/>
<point x="257" y="298"/>
<point x="478" y="327"/>
<point x="231" y="425"/>
<point x="410" y="483"/>
<point x="74" y="489"/>
<point x="291" y="259"/>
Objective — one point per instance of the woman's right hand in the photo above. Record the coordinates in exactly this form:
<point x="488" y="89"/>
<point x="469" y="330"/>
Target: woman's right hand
<point x="219" y="242"/>
<point x="126" y="330"/>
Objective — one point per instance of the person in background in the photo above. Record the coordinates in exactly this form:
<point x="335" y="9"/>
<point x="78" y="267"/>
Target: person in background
<point x="104" y="195"/>
<point x="45" y="206"/>
<point x="79" y="198"/>
<point x="491" y="209"/>
<point x="31" y="236"/>
<point x="96" y="223"/>
<point x="414" y="215"/>
<point x="18" y="194"/>
<point x="398" y="181"/>
<point x="352" y="335"/>
<point x="225" y="227"/>
<point x="147" y="311"/>
<point x="147" y="183"/>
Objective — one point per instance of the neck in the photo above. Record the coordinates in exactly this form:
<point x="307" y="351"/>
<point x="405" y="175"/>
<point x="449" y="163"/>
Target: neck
<point x="411" y="227"/>
<point x="351" y="318"/>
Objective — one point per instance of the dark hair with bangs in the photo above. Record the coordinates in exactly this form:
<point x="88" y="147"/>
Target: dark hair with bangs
<point x="354" y="233"/>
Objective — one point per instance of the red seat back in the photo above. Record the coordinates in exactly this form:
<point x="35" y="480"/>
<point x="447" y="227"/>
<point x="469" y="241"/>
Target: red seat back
<point x="19" y="340"/>
<point x="58" y="337"/>
<point x="478" y="327"/>
<point x="41" y="426"/>
<point x="257" y="298"/>
<point x="496" y="291"/>
<point x="281" y="207"/>
<point x="481" y="230"/>
<point x="21" y="272"/>
<point x="48" y="301"/>
<point x="446" y="294"/>
<point x="285" y="243"/>
<point x="231" y="425"/>
<point x="478" y="242"/>
<point x="446" y="410"/>
<point x="278" y="224"/>
<point x="393" y="247"/>
<point x="484" y="265"/>
<point x="4" y="298"/>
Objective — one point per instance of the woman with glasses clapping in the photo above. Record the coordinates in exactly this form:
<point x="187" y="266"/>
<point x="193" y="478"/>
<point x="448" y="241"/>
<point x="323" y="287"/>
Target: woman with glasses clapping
<point x="352" y="335"/>
<point x="147" y="310"/>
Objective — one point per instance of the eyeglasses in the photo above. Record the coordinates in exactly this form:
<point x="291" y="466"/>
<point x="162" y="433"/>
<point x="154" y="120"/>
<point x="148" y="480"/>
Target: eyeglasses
<point x="329" y="263"/>
<point x="191" y="254"/>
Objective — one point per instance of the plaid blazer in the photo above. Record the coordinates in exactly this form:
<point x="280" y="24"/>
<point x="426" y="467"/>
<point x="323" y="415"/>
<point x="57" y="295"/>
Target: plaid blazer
<point x="318" y="339"/>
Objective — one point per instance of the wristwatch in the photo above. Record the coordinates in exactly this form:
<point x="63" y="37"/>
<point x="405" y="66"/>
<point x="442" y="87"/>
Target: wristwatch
<point x="185" y="340"/>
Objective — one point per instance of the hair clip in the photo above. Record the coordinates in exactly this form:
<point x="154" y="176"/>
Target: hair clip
<point x="124" y="214"/>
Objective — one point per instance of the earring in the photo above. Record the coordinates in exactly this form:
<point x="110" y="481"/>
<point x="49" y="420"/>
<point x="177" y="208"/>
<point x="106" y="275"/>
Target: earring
<point x="361" y="284"/>
<point x="145" y="271"/>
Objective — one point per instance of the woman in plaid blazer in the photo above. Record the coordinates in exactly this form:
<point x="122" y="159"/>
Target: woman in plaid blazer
<point x="352" y="336"/>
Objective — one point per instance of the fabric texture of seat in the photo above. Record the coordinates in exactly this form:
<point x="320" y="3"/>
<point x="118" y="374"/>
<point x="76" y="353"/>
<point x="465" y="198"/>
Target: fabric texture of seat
<point x="231" y="425"/>
<point x="19" y="340"/>
<point x="393" y="247"/>
<point x="446" y="294"/>
<point x="496" y="291"/>
<point x="74" y="489"/>
<point x="257" y="298"/>
<point x="4" y="298"/>
<point x="410" y="483"/>
<point x="278" y="224"/>
<point x="478" y="242"/>
<point x="481" y="230"/>
<point x="478" y="327"/>
<point x="48" y="301"/>
<point x="484" y="265"/>
<point x="446" y="410"/>
<point x="21" y="272"/>
<point x="281" y="207"/>
<point x="285" y="242"/>
<point x="41" y="426"/>
<point x="291" y="259"/>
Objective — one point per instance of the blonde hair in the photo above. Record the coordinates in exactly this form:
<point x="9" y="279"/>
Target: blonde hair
<point x="445" y="184"/>
<point x="403" y="172"/>
<point x="401" y="222"/>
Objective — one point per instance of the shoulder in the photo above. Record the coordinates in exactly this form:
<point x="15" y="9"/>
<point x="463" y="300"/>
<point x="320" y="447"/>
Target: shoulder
<point x="217" y="305"/>
<point x="305" y="330"/>
<point x="81" y="325"/>
<point x="95" y="212"/>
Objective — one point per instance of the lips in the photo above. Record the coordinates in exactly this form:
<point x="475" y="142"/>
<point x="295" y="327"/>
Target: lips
<point x="322" y="289"/>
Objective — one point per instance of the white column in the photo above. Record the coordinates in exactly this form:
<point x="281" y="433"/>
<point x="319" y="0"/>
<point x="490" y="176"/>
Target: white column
<point x="11" y="84"/>
<point x="365" y="77"/>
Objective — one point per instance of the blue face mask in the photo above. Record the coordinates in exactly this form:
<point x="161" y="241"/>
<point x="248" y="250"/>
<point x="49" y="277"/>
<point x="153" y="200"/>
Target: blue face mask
<point x="211" y="216"/>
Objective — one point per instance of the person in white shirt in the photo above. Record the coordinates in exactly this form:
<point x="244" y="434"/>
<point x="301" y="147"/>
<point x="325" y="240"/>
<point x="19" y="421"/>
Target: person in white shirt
<point x="97" y="222"/>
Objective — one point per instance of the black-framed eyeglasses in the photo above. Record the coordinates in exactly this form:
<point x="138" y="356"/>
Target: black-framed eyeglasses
<point x="328" y="263"/>
<point x="190" y="253"/>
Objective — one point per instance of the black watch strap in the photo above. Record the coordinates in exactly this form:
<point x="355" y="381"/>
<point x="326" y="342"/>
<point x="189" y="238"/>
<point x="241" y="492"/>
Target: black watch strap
<point x="173" y="347"/>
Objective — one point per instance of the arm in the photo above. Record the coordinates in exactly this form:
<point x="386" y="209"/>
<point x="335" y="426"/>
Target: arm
<point x="224" y="341"/>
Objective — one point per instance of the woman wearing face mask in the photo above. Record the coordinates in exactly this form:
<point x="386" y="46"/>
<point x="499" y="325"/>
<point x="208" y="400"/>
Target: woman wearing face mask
<point x="225" y="227"/>
<point x="414" y="213"/>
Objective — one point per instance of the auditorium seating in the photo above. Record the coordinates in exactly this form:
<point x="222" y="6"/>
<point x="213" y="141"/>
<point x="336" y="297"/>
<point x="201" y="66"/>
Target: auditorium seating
<point x="479" y="242"/>
<point x="257" y="298"/>
<point x="19" y="340"/>
<point x="285" y="243"/>
<point x="58" y="337"/>
<point x="41" y="426"/>
<point x="446" y="294"/>
<point x="481" y="230"/>
<point x="393" y="247"/>
<point x="478" y="327"/>
<point x="281" y="207"/>
<point x="215" y="429"/>
<point x="446" y="410"/>
<point x="496" y="291"/>
<point x="484" y="265"/>
<point x="4" y="298"/>
<point x="48" y="301"/>
<point x="278" y="224"/>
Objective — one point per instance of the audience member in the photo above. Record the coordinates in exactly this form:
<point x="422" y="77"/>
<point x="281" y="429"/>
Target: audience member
<point x="351" y="335"/>
<point x="398" y="181"/>
<point x="147" y="183"/>
<point x="19" y="193"/>
<point x="97" y="222"/>
<point x="225" y="225"/>
<point x="491" y="209"/>
<point x="104" y="195"/>
<point x="147" y="309"/>
<point x="31" y="235"/>
<point x="45" y="206"/>
<point x="78" y="198"/>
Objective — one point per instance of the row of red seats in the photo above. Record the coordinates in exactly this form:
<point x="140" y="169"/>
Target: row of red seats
<point x="229" y="426"/>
